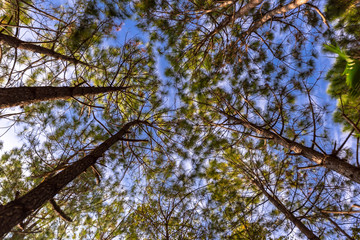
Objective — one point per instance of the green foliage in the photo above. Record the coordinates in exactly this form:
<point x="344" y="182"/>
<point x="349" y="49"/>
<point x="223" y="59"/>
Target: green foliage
<point x="352" y="70"/>
<point x="345" y="15"/>
<point x="97" y="19"/>
<point x="204" y="41"/>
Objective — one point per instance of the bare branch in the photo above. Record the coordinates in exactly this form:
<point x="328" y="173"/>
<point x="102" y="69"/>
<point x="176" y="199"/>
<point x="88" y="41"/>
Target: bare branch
<point x="59" y="211"/>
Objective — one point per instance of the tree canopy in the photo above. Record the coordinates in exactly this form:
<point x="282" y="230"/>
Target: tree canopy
<point x="157" y="119"/>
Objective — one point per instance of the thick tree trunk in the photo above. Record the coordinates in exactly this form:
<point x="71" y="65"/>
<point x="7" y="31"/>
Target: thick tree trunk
<point x="16" y="211"/>
<point x="331" y="162"/>
<point x="289" y="215"/>
<point x="17" y="43"/>
<point x="20" y="96"/>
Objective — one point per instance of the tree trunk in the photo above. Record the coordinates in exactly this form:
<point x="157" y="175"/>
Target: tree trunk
<point x="16" y="211"/>
<point x="17" y="43"/>
<point x="277" y="203"/>
<point x="20" y="96"/>
<point x="331" y="162"/>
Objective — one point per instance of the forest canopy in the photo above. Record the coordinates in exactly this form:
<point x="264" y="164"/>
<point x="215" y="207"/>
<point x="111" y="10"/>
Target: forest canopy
<point x="187" y="119"/>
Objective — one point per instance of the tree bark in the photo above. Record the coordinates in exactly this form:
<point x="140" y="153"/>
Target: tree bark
<point x="329" y="161"/>
<point x="289" y="215"/>
<point x="17" y="43"/>
<point x="16" y="211"/>
<point x="20" y="96"/>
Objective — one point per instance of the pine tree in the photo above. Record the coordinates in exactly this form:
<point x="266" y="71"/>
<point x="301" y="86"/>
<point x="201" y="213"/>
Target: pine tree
<point x="17" y="210"/>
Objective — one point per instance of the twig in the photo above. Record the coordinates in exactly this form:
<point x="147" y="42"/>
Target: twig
<point x="319" y="12"/>
<point x="309" y="167"/>
<point x="59" y="211"/>
<point x="339" y="212"/>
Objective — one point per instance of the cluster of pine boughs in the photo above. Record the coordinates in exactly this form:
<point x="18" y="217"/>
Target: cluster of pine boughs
<point x="204" y="119"/>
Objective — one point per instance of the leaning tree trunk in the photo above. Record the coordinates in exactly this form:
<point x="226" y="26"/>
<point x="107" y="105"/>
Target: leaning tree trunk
<point x="16" y="211"/>
<point x="20" y="96"/>
<point x="325" y="160"/>
<point x="17" y="43"/>
<point x="289" y="215"/>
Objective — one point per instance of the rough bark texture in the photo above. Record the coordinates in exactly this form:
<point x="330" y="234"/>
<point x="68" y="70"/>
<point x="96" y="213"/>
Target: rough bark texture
<point x="17" y="43"/>
<point x="277" y="203"/>
<point x="16" y="211"/>
<point x="331" y="162"/>
<point x="20" y="96"/>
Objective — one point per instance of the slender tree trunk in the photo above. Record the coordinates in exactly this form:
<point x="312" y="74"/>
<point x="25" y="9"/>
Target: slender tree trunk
<point x="17" y="43"/>
<point x="20" y="96"/>
<point x="16" y="211"/>
<point x="331" y="162"/>
<point x="338" y="227"/>
<point x="289" y="215"/>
